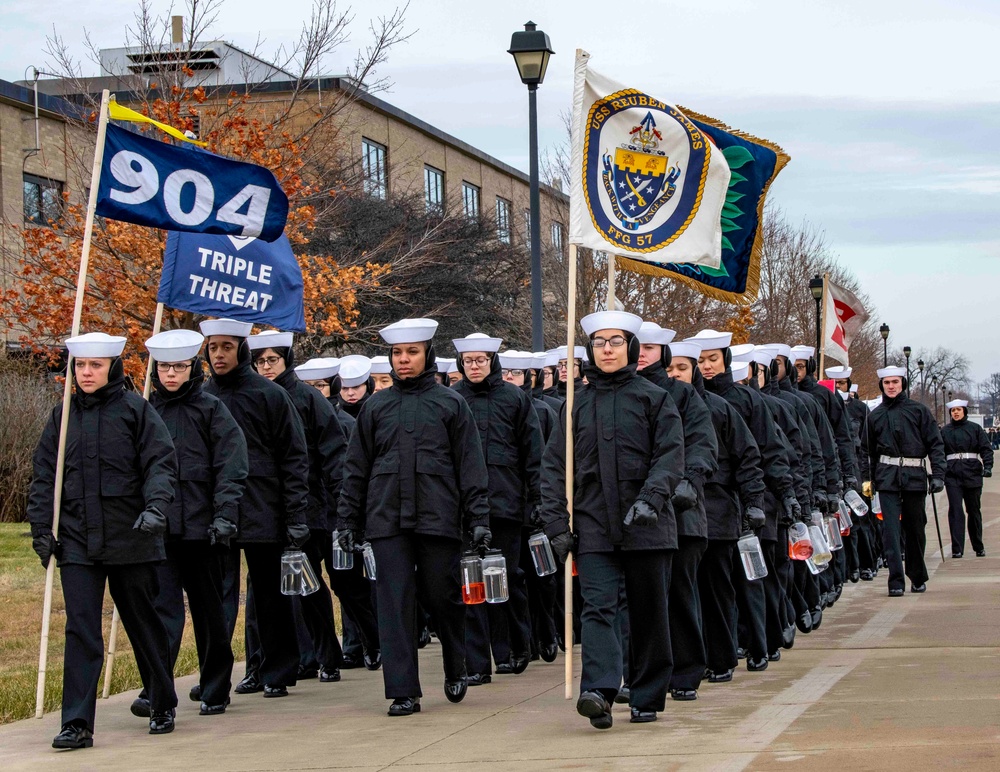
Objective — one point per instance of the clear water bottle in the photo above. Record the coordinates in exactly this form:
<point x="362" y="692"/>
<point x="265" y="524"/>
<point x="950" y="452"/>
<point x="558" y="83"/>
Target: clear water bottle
<point x="821" y="550"/>
<point x="473" y="585"/>
<point x="877" y="506"/>
<point x="495" y="577"/>
<point x="799" y="545"/>
<point x="342" y="561"/>
<point x="541" y="554"/>
<point x="752" y="556"/>
<point x="833" y="537"/>
<point x="291" y="572"/>
<point x="844" y="519"/>
<point x="369" y="557"/>
<point x="856" y="503"/>
<point x="814" y="568"/>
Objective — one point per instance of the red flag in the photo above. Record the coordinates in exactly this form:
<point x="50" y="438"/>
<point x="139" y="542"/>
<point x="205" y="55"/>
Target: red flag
<point x="845" y="315"/>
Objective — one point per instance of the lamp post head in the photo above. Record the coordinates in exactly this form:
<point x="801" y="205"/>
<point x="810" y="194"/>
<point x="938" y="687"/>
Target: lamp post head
<point x="816" y="287"/>
<point x="884" y="331"/>
<point x="907" y="351"/>
<point x="920" y="365"/>
<point x="531" y="50"/>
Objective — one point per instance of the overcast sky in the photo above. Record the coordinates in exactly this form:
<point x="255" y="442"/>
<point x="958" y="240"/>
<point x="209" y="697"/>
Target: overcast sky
<point x="890" y="111"/>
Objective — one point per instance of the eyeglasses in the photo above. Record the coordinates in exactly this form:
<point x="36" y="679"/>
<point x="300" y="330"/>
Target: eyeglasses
<point x="512" y="372"/>
<point x="269" y="361"/>
<point x="176" y="367"/>
<point x="478" y="361"/>
<point x="616" y="342"/>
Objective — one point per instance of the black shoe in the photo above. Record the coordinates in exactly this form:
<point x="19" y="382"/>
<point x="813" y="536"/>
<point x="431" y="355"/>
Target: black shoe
<point x="560" y="642"/>
<point x="896" y="592"/>
<point x="775" y="656"/>
<point x="307" y="673"/>
<point x="213" y="710"/>
<point x="422" y="641"/>
<point x="918" y="587"/>
<point x="504" y="668"/>
<point x="455" y="690"/>
<point x="140" y="707"/>
<point x="275" y="690"/>
<point x="592" y="705"/>
<point x="956" y="555"/>
<point x="817" y="617"/>
<point x="404" y="706"/>
<point x="756" y="665"/>
<point x="249" y="685"/>
<point x="549" y="652"/>
<point x="855" y="577"/>
<point x="804" y="622"/>
<point x="980" y="553"/>
<point x="684" y="695"/>
<point x="741" y="653"/>
<point x="72" y="737"/>
<point x="719" y="678"/>
<point x="350" y="663"/>
<point x="642" y="716"/>
<point x="788" y="637"/>
<point x="623" y="696"/>
<point x="161" y="723"/>
<point x="373" y="660"/>
<point x="867" y="575"/>
<point x="519" y="663"/>
<point x="478" y="679"/>
<point x="195" y="694"/>
<point x="329" y="676"/>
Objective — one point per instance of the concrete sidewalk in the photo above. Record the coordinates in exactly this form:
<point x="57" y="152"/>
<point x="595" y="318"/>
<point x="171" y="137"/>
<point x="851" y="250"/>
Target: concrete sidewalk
<point x="886" y="683"/>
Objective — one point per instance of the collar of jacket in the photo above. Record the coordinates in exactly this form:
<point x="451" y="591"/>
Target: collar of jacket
<point x="807" y="382"/>
<point x="538" y="389"/>
<point x="561" y="387"/>
<point x="603" y="381"/>
<point x="242" y="372"/>
<point x="353" y="408"/>
<point x="698" y="381"/>
<point x="899" y="399"/>
<point x="489" y="383"/>
<point x="770" y="387"/>
<point x="422" y="382"/>
<point x="961" y="421"/>
<point x="720" y="384"/>
<point x="651" y="371"/>
<point x="189" y="388"/>
<point x="287" y="379"/>
<point x="785" y="384"/>
<point x="114" y="388"/>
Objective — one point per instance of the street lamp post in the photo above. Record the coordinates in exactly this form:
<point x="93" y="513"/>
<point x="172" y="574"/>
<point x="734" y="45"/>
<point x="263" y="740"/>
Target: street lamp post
<point x="884" y="332"/>
<point x="531" y="51"/>
<point x="816" y="288"/>
<point x="943" y="401"/>
<point x="923" y="380"/>
<point x="934" y="389"/>
<point x="906" y="353"/>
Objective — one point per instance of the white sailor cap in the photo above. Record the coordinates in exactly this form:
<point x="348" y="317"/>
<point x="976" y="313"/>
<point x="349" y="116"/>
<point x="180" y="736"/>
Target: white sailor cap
<point x="839" y="373"/>
<point x="740" y="370"/>
<point x="381" y="365"/>
<point x="712" y="339"/>
<point x="892" y="371"/>
<point x="957" y="403"/>
<point x="579" y="352"/>
<point x="611" y="320"/>
<point x="781" y="350"/>
<point x="319" y="369"/>
<point x="175" y="345"/>
<point x="686" y="348"/>
<point x="763" y="355"/>
<point x="99" y="345"/>
<point x="230" y="327"/>
<point x="651" y="332"/>
<point x="409" y="331"/>
<point x="270" y="339"/>
<point x="854" y="388"/>
<point x="446" y="365"/>
<point x="354" y="370"/>
<point x="742" y="352"/>
<point x="477" y="341"/>
<point x="802" y="353"/>
<point x="545" y="359"/>
<point x="517" y="360"/>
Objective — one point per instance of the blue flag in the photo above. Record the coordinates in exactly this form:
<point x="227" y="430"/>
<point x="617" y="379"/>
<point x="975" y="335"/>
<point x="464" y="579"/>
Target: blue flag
<point x="753" y="165"/>
<point x="148" y="182"/>
<point x="238" y="278"/>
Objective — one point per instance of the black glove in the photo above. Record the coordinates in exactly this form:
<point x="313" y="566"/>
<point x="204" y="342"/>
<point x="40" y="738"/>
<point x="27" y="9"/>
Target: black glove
<point x="806" y="518"/>
<point x="536" y="516"/>
<point x="819" y="501"/>
<point x="937" y="485"/>
<point x="562" y="545"/>
<point x="481" y="537"/>
<point x="346" y="540"/>
<point x="296" y="534"/>
<point x="151" y="521"/>
<point x="221" y="531"/>
<point x="641" y="514"/>
<point x="987" y="473"/>
<point x="852" y="482"/>
<point x="755" y="517"/>
<point x="685" y="496"/>
<point x="793" y="510"/>
<point x="45" y="546"/>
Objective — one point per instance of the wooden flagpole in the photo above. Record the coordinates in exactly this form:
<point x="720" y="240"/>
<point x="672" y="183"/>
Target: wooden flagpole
<point x="115" y="616"/>
<point x="570" y="383"/>
<point x="822" y="330"/>
<point x="611" y="281"/>
<point x="81" y="287"/>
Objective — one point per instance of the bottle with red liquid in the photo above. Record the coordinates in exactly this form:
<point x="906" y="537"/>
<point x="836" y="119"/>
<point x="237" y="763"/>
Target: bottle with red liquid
<point x="799" y="545"/>
<point x="473" y="583"/>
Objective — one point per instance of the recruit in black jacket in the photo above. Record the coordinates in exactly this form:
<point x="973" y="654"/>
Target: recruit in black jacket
<point x="212" y="461"/>
<point x="414" y="462"/>
<point x="966" y="437"/>
<point x="798" y="462"/>
<point x="277" y="492"/>
<point x="119" y="461"/>
<point x="511" y="441"/>
<point x="903" y="428"/>
<point x="628" y="446"/>
<point x="800" y="432"/>
<point x="824" y="434"/>
<point x="833" y="406"/>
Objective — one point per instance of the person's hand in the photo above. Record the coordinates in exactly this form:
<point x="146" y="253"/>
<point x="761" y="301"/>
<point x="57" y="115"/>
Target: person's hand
<point x="851" y="482"/>
<point x="562" y="545"/>
<point x="685" y="496"/>
<point x="755" y="517"/>
<point x="45" y="546"/>
<point x="481" y="537"/>
<point x="152" y="522"/>
<point x="866" y="488"/>
<point x="536" y="516"/>
<point x="819" y="501"/>
<point x="641" y="514"/>
<point x="346" y="540"/>
<point x="806" y="518"/>
<point x="987" y="473"/>
<point x="793" y="510"/>
<point x="221" y="531"/>
<point x="937" y="485"/>
<point x="296" y="534"/>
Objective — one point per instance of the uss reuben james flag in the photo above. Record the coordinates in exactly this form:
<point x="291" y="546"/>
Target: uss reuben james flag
<point x="647" y="183"/>
<point x="844" y="315"/>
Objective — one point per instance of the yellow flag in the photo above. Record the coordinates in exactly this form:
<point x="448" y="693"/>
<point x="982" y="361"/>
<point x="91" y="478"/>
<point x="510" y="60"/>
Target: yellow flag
<point x="119" y="113"/>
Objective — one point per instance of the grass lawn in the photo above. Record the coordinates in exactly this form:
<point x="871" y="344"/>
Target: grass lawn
<point x="22" y="587"/>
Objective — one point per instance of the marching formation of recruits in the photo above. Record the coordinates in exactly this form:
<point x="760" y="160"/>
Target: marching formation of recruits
<point x="680" y="449"/>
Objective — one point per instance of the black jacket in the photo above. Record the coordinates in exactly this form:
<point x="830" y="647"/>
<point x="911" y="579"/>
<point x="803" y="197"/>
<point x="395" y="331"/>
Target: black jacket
<point x="966" y="437"/>
<point x="347" y="421"/>
<point x="511" y="440"/>
<point x="811" y="473"/>
<point x="119" y="461"/>
<point x="857" y="415"/>
<point x="326" y="443"/>
<point x="701" y="447"/>
<point x="798" y="461"/>
<point x="901" y="427"/>
<point x="628" y="446"/>
<point x="833" y="406"/>
<point x="824" y="434"/>
<point x="277" y="491"/>
<point x="212" y="463"/>
<point x="414" y="462"/>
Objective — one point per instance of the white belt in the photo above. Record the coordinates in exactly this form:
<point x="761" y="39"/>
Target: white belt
<point x="958" y="456"/>
<point x="893" y="461"/>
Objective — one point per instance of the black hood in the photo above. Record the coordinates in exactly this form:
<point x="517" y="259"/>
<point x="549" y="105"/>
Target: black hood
<point x="720" y="384"/>
<point x="353" y="408"/>
<point x="697" y="380"/>
<point x="243" y="365"/>
<point x="490" y="382"/>
<point x="114" y="386"/>
<point x="190" y="387"/>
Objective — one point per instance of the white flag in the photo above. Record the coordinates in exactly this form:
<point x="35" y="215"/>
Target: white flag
<point x="844" y="315"/>
<point x="647" y="183"/>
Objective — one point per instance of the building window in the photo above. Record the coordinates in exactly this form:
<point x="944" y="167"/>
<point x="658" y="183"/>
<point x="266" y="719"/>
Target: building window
<point x="376" y="176"/>
<point x="470" y="199"/>
<point x="43" y="199"/>
<point x="557" y="238"/>
<point x="503" y="220"/>
<point x="434" y="189"/>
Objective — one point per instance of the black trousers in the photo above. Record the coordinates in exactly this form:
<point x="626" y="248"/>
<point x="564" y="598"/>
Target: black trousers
<point x="504" y="628"/>
<point x="909" y="504"/>
<point x="133" y="589"/>
<point x="413" y="565"/>
<point x="351" y="636"/>
<point x="776" y="619"/>
<point x="647" y="586"/>
<point x="541" y="599"/>
<point x="863" y="532"/>
<point x="195" y="568"/>
<point x="956" y="517"/>
<point x="317" y="608"/>
<point x="356" y="594"/>
<point x="231" y="587"/>
<point x="780" y="564"/>
<point x="718" y="604"/>
<point x="686" y="639"/>
<point x="270" y="622"/>
<point x="751" y="605"/>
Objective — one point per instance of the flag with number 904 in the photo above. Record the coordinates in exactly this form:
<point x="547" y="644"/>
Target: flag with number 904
<point x="148" y="182"/>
